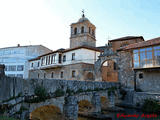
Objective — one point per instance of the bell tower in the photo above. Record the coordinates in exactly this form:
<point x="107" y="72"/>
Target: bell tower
<point x="82" y="33"/>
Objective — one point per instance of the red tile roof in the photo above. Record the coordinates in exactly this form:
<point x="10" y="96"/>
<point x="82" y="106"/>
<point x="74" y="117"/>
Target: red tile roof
<point x="125" y="38"/>
<point x="67" y="50"/>
<point x="155" y="41"/>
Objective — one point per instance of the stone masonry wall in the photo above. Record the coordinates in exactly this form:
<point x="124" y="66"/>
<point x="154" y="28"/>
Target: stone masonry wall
<point x="12" y="87"/>
<point x="139" y="97"/>
<point x="81" y="72"/>
<point x="149" y="82"/>
<point x="125" y="72"/>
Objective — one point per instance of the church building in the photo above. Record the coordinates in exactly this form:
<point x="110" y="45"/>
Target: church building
<point x="74" y="63"/>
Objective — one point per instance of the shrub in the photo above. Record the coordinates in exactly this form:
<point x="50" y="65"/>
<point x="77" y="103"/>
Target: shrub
<point x="112" y="90"/>
<point x="69" y="91"/>
<point x="41" y="92"/>
<point x="151" y="106"/>
<point x="79" y="90"/>
<point x="59" y="92"/>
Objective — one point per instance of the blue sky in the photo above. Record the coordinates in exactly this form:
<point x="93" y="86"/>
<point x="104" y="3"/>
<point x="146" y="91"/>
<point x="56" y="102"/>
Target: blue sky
<point x="47" y="22"/>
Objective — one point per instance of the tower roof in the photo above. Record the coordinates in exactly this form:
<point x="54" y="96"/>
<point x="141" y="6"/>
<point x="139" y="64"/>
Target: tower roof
<point x="83" y="18"/>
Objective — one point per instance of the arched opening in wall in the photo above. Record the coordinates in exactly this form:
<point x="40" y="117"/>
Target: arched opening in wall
<point x="82" y="29"/>
<point x="109" y="71"/>
<point x="84" y="106"/>
<point x="75" y="31"/>
<point x="47" y="112"/>
<point x="89" y="76"/>
<point x="104" y="102"/>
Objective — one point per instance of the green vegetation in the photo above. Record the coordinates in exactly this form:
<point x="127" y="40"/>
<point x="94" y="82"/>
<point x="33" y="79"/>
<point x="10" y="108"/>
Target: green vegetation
<point x="151" y="106"/>
<point x="79" y="91"/>
<point x="112" y="90"/>
<point x="41" y="92"/>
<point x="69" y="91"/>
<point x="59" y="92"/>
<point x="6" y="118"/>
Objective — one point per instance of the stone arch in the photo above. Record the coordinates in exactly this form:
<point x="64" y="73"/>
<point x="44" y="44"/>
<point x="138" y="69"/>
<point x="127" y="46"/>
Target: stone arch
<point x="75" y="30"/>
<point x="92" y="98"/>
<point x="47" y="112"/>
<point x="107" y="55"/>
<point x="89" y="75"/>
<point x="109" y="71"/>
<point x="84" y="106"/>
<point x="82" y="29"/>
<point x="104" y="102"/>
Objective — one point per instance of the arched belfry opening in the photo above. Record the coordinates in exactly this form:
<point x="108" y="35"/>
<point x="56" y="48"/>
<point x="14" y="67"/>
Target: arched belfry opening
<point x="75" y="30"/>
<point x="106" y="68"/>
<point x="82" y="29"/>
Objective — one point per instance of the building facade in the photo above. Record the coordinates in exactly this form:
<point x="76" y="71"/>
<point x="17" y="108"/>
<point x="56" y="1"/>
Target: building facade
<point x="139" y="65"/>
<point x="110" y="70"/>
<point x="16" y="59"/>
<point x="74" y="63"/>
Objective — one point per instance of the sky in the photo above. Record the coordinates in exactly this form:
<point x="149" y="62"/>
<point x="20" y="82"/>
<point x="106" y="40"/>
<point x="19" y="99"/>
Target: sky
<point x="47" y="22"/>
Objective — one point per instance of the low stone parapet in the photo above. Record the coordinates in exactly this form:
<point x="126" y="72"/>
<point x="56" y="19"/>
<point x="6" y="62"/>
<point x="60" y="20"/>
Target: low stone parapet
<point x="139" y="97"/>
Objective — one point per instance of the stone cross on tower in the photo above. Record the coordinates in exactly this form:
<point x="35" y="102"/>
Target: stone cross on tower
<point x="83" y="13"/>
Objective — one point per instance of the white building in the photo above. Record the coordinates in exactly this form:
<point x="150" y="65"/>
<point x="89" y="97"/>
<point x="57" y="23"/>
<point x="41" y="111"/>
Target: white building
<point x="16" y="58"/>
<point x="75" y="63"/>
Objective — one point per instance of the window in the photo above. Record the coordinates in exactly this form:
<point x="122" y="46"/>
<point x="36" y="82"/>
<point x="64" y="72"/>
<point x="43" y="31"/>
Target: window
<point x="6" y="68"/>
<point x="38" y="64"/>
<point x="20" y="75"/>
<point x="11" y="75"/>
<point x="64" y="58"/>
<point x="49" y="60"/>
<point x="93" y="32"/>
<point x="75" y="31"/>
<point x="60" y="57"/>
<point x="61" y="75"/>
<point x="124" y="44"/>
<point x="140" y="75"/>
<point x="146" y="57"/>
<point x="32" y="65"/>
<point x="20" y="67"/>
<point x="53" y="58"/>
<point x="73" y="56"/>
<point x="136" y="59"/>
<point x="73" y="73"/>
<point x="157" y="55"/>
<point x="52" y="75"/>
<point x="12" y="68"/>
<point x="44" y="75"/>
<point x="82" y="29"/>
<point x="115" y="66"/>
<point x="42" y="61"/>
<point x="46" y="60"/>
